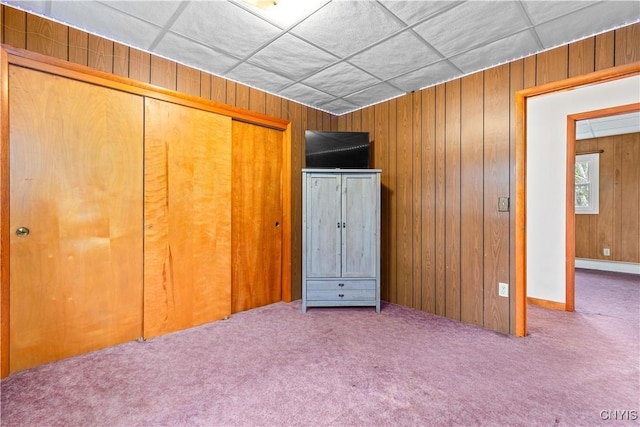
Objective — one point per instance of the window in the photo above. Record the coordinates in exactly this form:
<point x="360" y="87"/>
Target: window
<point x="587" y="183"/>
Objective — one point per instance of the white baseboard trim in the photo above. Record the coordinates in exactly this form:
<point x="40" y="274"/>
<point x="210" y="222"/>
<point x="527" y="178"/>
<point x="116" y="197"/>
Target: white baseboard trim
<point x="620" y="267"/>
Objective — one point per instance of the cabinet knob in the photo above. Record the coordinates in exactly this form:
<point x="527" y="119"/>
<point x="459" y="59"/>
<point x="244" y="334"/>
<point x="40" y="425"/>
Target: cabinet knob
<point x="344" y="225"/>
<point x="341" y="295"/>
<point x="338" y="225"/>
<point x="341" y="284"/>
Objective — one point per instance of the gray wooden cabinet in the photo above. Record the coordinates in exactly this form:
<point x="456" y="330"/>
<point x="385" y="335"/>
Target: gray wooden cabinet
<point x="340" y="238"/>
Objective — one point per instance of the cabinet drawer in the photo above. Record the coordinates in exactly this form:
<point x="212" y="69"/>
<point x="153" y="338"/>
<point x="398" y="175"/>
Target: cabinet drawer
<point x="348" y="284"/>
<point x="341" y="295"/>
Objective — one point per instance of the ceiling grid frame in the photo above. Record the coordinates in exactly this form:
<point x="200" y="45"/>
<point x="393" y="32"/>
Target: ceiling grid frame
<point x="336" y="43"/>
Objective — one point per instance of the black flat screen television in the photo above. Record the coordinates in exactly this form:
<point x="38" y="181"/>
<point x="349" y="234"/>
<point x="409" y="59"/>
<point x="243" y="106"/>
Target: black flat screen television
<point x="344" y="150"/>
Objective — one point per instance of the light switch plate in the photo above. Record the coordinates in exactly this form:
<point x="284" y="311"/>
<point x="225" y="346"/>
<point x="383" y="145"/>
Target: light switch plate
<point x="503" y="204"/>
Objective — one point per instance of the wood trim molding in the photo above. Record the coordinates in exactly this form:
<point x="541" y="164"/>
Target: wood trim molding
<point x="553" y="305"/>
<point x="602" y="76"/>
<point x="570" y="244"/>
<point x="521" y="219"/>
<point x="286" y="214"/>
<point x="56" y="66"/>
<point x="521" y="96"/>
<point x="570" y="221"/>
<point x="4" y="215"/>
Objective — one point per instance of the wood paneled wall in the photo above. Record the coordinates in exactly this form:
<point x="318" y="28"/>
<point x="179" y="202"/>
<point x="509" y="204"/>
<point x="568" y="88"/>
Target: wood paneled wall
<point x="446" y="154"/>
<point x="617" y="226"/>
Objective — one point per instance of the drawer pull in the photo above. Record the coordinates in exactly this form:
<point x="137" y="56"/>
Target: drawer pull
<point x="341" y="284"/>
<point x="341" y="295"/>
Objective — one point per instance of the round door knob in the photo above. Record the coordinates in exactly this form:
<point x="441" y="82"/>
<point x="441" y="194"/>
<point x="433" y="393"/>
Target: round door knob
<point x="22" y="231"/>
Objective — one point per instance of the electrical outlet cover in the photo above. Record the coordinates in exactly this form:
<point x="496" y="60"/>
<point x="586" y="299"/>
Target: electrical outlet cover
<point x="503" y="289"/>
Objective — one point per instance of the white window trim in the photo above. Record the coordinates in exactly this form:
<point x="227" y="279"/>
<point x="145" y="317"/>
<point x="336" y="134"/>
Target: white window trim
<point x="594" y="178"/>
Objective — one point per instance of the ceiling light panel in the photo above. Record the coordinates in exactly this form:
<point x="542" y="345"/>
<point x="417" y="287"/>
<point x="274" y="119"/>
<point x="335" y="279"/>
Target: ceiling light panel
<point x="411" y="12"/>
<point x="341" y="79"/>
<point x="292" y="57"/>
<point x="225" y="26"/>
<point x="345" y="27"/>
<point x="402" y="52"/>
<point x="286" y="12"/>
<point x="597" y="18"/>
<point x="105" y="21"/>
<point x="471" y="25"/>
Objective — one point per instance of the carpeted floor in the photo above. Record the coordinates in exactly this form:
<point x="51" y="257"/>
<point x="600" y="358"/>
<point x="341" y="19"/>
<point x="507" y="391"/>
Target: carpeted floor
<point x="274" y="366"/>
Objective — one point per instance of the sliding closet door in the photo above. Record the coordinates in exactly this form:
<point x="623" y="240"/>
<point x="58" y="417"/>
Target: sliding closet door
<point x="75" y="217"/>
<point x="257" y="216"/>
<point x="187" y="230"/>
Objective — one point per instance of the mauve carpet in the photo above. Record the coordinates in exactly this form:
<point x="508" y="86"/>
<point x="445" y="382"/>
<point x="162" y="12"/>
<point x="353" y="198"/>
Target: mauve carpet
<point x="274" y="366"/>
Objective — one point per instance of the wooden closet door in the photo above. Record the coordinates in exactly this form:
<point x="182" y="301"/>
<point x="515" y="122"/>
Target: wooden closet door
<point x="187" y="232"/>
<point x="257" y="215"/>
<point x="76" y="185"/>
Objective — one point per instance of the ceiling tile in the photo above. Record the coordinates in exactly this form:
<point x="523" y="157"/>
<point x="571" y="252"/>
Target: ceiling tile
<point x="337" y="54"/>
<point x="39" y="7"/>
<point x="495" y="53"/>
<point x="588" y="21"/>
<point x="471" y="25"/>
<point x="339" y="106"/>
<point x="401" y="53"/>
<point x="287" y="12"/>
<point x="631" y="120"/>
<point x="155" y="12"/>
<point x="415" y="11"/>
<point x="543" y="11"/>
<point x="229" y="28"/>
<point x="292" y="57"/>
<point x="340" y="79"/>
<point x="583" y="130"/>
<point x="258" y="78"/>
<point x="427" y="76"/>
<point x="99" y="19"/>
<point x="189" y="53"/>
<point x="345" y="27"/>
<point x="374" y="94"/>
<point x="306" y="95"/>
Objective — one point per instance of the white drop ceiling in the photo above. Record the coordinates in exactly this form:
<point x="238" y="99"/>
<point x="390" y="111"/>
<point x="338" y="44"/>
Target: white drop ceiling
<point x="339" y="56"/>
<point x="607" y="126"/>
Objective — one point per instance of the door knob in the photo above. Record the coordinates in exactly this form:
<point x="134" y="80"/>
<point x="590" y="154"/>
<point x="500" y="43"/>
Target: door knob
<point x="22" y="232"/>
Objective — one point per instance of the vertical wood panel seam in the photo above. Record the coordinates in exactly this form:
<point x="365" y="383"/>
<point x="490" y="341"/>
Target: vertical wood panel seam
<point x="484" y="190"/>
<point x="444" y="207"/>
<point x="459" y="267"/>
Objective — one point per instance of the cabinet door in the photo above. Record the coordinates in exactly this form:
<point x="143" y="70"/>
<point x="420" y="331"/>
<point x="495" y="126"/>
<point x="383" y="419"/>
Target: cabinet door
<point x="187" y="236"/>
<point x="76" y="184"/>
<point x="323" y="225"/>
<point x="360" y="204"/>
